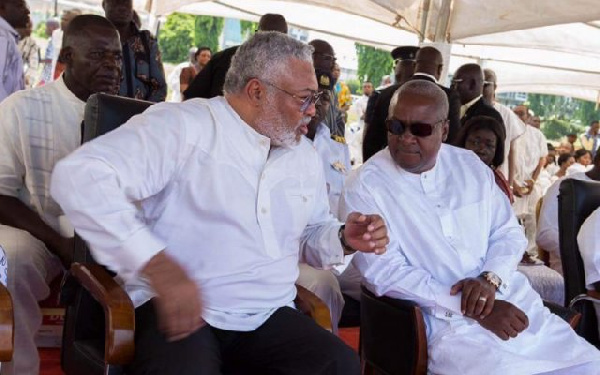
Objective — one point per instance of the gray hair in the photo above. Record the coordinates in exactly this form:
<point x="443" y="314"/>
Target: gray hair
<point x="421" y="87"/>
<point x="264" y="56"/>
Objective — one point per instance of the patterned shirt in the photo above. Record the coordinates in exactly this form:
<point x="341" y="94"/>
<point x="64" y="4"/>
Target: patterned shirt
<point x="11" y="65"/>
<point x="143" y="72"/>
<point x="31" y="59"/>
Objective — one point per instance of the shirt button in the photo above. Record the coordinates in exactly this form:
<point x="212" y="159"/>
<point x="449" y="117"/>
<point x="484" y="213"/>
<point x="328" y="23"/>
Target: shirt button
<point x="264" y="210"/>
<point x="304" y="199"/>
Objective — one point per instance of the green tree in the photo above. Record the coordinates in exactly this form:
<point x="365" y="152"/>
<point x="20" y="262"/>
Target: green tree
<point x="354" y="86"/>
<point x="176" y="37"/>
<point x="248" y="28"/>
<point x="207" y="31"/>
<point x="555" y="129"/>
<point x="373" y="63"/>
<point x="586" y="112"/>
<point x="183" y="31"/>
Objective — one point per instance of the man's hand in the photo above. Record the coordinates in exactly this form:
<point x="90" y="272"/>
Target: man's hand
<point x="178" y="299"/>
<point x="477" y="298"/>
<point x="366" y="233"/>
<point x="506" y="320"/>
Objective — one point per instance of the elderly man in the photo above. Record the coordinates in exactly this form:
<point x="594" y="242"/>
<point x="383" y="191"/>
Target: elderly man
<point x="233" y="196"/>
<point x="454" y="248"/>
<point x="143" y="72"/>
<point x="38" y="127"/>
<point x="13" y="14"/>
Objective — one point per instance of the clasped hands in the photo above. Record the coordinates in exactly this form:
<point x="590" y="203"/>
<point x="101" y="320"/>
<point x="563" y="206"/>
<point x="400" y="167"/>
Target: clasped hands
<point x="478" y="301"/>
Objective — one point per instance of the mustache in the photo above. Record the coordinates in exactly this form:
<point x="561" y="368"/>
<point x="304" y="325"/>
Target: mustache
<point x="305" y="120"/>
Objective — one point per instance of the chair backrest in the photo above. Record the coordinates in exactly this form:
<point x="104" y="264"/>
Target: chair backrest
<point x="83" y="334"/>
<point x="577" y="199"/>
<point x="393" y="336"/>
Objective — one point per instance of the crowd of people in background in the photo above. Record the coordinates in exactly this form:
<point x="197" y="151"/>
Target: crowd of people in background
<point x="421" y="152"/>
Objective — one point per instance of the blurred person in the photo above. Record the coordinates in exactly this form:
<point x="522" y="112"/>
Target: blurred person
<point x="46" y="75"/>
<point x="174" y="79"/>
<point x="583" y="162"/>
<point x="13" y="14"/>
<point x="342" y="92"/>
<point x="143" y="72"/>
<point x="201" y="58"/>
<point x="355" y="130"/>
<point x="564" y="162"/>
<point x="57" y="39"/>
<point x="590" y="139"/>
<point x="30" y="52"/>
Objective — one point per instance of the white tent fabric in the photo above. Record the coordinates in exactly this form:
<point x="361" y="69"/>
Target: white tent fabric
<point x="549" y="45"/>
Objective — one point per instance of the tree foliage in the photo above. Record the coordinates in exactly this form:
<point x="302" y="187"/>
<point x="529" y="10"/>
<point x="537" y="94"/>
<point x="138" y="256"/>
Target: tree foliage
<point x="354" y="86"/>
<point x="373" y="63"/>
<point x="248" y="28"/>
<point x="183" y="31"/>
<point x="555" y="129"/>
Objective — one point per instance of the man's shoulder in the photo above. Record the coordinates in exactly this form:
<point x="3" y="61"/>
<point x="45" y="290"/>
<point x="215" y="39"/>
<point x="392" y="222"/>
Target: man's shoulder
<point x="227" y="53"/>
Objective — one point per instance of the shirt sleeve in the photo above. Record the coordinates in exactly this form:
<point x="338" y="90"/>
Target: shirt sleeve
<point x="547" y="227"/>
<point x="391" y="274"/>
<point x="506" y="239"/>
<point x="12" y="169"/>
<point x="589" y="247"/>
<point x="4" y="47"/>
<point x="101" y="184"/>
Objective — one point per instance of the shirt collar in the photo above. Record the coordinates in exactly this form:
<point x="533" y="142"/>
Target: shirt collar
<point x="426" y="75"/>
<point x="7" y="26"/>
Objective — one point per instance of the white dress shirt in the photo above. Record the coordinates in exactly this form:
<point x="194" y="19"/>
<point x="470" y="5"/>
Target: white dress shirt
<point x="335" y="157"/>
<point x="232" y="210"/>
<point x="578" y="168"/>
<point x="11" y="63"/>
<point x="547" y="225"/>
<point x="38" y="127"/>
<point x="447" y="224"/>
<point x="514" y="129"/>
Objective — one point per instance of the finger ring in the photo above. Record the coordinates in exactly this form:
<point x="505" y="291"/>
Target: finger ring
<point x="483" y="299"/>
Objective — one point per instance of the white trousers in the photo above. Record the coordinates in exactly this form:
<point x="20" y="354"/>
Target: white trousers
<point x="324" y="285"/>
<point x="30" y="268"/>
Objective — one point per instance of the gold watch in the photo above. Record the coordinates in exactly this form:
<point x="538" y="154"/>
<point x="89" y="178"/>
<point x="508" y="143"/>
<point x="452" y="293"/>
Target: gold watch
<point x="492" y="278"/>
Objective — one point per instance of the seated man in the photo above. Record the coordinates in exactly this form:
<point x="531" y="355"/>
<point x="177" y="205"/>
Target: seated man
<point x="547" y="228"/>
<point x="335" y="158"/>
<point x="231" y="196"/>
<point x="38" y="127"/>
<point x="589" y="247"/>
<point x="454" y="248"/>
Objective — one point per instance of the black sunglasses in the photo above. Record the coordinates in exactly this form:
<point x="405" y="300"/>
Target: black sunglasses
<point x="418" y="129"/>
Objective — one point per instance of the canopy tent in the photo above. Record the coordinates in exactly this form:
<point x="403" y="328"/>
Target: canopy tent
<point x="549" y="46"/>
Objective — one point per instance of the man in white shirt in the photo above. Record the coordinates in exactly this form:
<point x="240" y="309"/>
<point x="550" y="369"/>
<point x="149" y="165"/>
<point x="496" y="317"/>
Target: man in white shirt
<point x="13" y="14"/>
<point x="454" y="249"/>
<point x="513" y="125"/>
<point x="547" y="228"/>
<point x="232" y="197"/>
<point x="38" y="127"/>
<point x="588" y="240"/>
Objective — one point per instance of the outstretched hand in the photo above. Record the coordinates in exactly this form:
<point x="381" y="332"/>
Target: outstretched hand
<point x="366" y="233"/>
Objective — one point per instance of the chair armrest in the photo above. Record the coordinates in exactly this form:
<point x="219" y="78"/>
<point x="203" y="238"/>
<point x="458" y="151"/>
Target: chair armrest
<point x="590" y="295"/>
<point x="569" y="315"/>
<point x="311" y="305"/>
<point x="119" y="312"/>
<point x="7" y="325"/>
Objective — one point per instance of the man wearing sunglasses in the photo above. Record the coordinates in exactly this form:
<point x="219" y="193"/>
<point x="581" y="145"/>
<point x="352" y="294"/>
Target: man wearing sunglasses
<point x="468" y="81"/>
<point x="454" y="248"/>
<point x="234" y="197"/>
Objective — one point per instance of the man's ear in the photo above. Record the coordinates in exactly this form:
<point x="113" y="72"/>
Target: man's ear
<point x="66" y="55"/>
<point x="255" y="91"/>
<point x="445" y="130"/>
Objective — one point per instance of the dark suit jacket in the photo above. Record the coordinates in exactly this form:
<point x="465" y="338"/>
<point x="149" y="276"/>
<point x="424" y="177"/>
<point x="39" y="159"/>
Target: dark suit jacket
<point x="375" y="137"/>
<point x="481" y="108"/>
<point x="209" y="82"/>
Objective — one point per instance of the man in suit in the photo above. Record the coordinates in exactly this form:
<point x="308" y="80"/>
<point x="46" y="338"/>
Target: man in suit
<point x="377" y="109"/>
<point x="209" y="82"/>
<point x="429" y="65"/>
<point x="468" y="81"/>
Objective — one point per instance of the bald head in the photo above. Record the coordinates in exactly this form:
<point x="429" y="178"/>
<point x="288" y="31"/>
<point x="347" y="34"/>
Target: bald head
<point x="468" y="81"/>
<point x="273" y="22"/>
<point x="429" y="61"/>
<point x="424" y="89"/>
<point x="323" y="56"/>
<point x="82" y="26"/>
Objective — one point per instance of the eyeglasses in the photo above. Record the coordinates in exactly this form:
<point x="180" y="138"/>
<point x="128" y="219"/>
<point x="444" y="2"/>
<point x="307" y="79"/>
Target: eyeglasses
<point x="418" y="129"/>
<point x="485" y="83"/>
<point x="456" y="81"/>
<point x="306" y="101"/>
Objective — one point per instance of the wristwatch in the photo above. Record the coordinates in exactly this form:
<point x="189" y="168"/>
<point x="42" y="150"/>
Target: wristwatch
<point x="492" y="278"/>
<point x="347" y="249"/>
